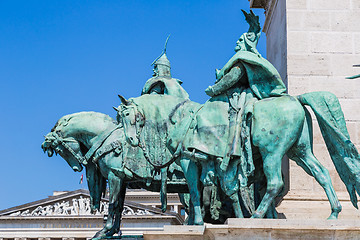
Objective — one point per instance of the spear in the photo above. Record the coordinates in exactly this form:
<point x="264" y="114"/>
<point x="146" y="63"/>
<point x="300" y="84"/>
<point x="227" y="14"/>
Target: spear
<point x="355" y="76"/>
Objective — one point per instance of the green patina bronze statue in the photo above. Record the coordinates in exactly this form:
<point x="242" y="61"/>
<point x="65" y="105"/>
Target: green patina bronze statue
<point x="223" y="157"/>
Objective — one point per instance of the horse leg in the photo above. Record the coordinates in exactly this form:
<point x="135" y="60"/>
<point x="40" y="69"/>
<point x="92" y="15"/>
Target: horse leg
<point x="192" y="177"/>
<point x="236" y="205"/>
<point x="115" y="184"/>
<point x="272" y="171"/>
<point x="271" y="212"/>
<point x="191" y="217"/>
<point x="314" y="168"/>
<point x="276" y="124"/>
<point x="118" y="214"/>
<point x="230" y="185"/>
<point x="303" y="155"/>
<point x="189" y="208"/>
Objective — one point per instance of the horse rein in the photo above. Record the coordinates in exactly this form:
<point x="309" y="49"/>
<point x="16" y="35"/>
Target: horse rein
<point x="99" y="141"/>
<point x="62" y="141"/>
<point x="139" y="119"/>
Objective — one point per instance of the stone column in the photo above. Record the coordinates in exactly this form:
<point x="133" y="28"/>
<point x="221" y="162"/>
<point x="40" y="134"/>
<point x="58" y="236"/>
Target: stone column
<point x="314" y="45"/>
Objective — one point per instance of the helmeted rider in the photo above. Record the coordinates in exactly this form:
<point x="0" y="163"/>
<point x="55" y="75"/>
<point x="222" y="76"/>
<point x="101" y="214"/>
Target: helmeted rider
<point x="245" y="78"/>
<point x="162" y="82"/>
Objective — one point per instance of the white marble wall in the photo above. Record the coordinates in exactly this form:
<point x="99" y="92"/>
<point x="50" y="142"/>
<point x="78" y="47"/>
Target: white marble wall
<point x="323" y="44"/>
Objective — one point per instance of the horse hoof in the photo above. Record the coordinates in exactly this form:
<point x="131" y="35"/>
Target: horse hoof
<point x="332" y="217"/>
<point x="256" y="215"/>
<point x="98" y="235"/>
<point x="199" y="222"/>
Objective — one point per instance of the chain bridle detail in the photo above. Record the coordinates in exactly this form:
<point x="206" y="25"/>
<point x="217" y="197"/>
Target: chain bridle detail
<point x="63" y="142"/>
<point x="139" y="119"/>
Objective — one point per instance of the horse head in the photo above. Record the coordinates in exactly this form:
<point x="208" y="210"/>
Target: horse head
<point x="66" y="146"/>
<point x="131" y="119"/>
<point x="64" y="140"/>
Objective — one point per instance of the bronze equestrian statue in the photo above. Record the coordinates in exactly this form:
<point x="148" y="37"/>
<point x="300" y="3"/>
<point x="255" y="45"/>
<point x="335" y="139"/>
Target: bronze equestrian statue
<point x="216" y="152"/>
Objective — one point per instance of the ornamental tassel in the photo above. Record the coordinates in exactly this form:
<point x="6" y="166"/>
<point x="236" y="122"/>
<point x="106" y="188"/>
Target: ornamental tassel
<point x="81" y="179"/>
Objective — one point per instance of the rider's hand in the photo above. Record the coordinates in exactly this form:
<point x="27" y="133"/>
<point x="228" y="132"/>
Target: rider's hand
<point x="209" y="91"/>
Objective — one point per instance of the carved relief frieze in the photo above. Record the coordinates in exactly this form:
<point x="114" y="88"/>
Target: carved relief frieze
<point x="75" y="207"/>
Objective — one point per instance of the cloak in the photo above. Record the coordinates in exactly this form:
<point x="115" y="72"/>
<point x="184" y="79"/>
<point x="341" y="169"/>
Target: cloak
<point x="264" y="80"/>
<point x="211" y="132"/>
<point x="171" y="87"/>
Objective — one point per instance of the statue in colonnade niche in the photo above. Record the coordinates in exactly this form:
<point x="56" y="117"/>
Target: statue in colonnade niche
<point x="225" y="154"/>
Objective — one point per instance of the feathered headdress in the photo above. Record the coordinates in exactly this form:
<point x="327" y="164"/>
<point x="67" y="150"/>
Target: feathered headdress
<point x="253" y="21"/>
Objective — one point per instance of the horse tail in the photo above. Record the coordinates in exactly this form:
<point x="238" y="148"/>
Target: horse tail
<point x="332" y="124"/>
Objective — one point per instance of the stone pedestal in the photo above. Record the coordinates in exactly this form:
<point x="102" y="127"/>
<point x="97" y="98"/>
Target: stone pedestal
<point x="259" y="229"/>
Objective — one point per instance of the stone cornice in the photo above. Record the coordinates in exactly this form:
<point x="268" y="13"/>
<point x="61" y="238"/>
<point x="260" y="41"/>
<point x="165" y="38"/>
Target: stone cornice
<point x="269" y="6"/>
<point x="258" y="3"/>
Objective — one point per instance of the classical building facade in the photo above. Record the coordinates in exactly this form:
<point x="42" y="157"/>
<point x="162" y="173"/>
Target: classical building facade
<point x="66" y="215"/>
<point x="314" y="45"/>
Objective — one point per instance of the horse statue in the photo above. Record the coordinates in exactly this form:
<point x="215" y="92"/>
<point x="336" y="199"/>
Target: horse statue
<point x="166" y="143"/>
<point x="97" y="142"/>
<point x="280" y="125"/>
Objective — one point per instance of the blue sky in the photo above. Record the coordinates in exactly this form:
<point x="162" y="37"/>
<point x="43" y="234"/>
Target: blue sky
<point x="62" y="57"/>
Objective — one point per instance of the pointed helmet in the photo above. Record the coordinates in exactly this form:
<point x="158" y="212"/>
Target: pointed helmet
<point x="162" y="64"/>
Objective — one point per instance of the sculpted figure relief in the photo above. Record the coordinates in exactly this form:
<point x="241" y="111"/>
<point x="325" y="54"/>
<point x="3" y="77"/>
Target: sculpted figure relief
<point x="222" y="157"/>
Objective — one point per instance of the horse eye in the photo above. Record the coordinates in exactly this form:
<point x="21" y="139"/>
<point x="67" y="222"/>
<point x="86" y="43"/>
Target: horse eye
<point x="127" y="114"/>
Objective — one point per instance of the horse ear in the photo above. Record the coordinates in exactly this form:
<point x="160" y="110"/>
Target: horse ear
<point x="116" y="109"/>
<point x="123" y="100"/>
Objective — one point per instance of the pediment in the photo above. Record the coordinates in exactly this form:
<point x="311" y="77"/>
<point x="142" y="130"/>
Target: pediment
<point x="74" y="203"/>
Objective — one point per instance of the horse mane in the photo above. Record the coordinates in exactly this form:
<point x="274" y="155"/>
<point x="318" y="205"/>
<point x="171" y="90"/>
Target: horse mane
<point x="56" y="124"/>
<point x="68" y="117"/>
<point x="151" y="105"/>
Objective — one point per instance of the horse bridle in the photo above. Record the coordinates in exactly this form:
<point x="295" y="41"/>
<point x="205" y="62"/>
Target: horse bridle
<point x="139" y="120"/>
<point x="139" y="123"/>
<point x="63" y="142"/>
<point x="98" y="143"/>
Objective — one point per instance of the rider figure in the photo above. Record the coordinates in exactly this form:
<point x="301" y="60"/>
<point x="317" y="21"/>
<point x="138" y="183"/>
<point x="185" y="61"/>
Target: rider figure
<point x="162" y="82"/>
<point x="248" y="68"/>
<point x="244" y="78"/>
